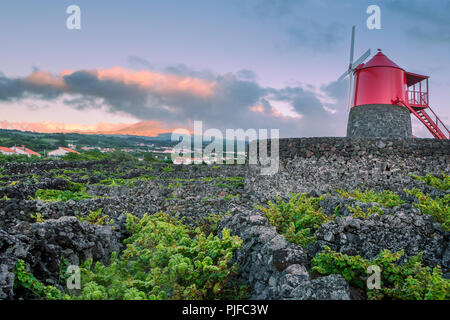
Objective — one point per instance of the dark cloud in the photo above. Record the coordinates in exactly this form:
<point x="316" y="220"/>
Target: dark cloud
<point x="11" y="89"/>
<point x="426" y="21"/>
<point x="292" y="17"/>
<point x="183" y="70"/>
<point x="270" y="8"/>
<point x="337" y="91"/>
<point x="180" y="69"/>
<point x="115" y="94"/>
<point x="139" y="63"/>
<point x="246" y="74"/>
<point x="316" y="36"/>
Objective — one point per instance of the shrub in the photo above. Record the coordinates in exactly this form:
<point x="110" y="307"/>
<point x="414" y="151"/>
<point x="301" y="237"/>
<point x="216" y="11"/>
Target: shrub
<point x="19" y="158"/>
<point x="61" y="195"/>
<point x="296" y="219"/>
<point x="360" y="213"/>
<point x="72" y="186"/>
<point x="408" y="281"/>
<point x="230" y="197"/>
<point x="112" y="182"/>
<point x="386" y="198"/>
<point x="439" y="208"/>
<point x="209" y="224"/>
<point x="96" y="217"/>
<point x="167" y="168"/>
<point x="25" y="279"/>
<point x="223" y="185"/>
<point x="97" y="155"/>
<point x="38" y="217"/>
<point x="163" y="259"/>
<point x="149" y="157"/>
<point x="442" y="183"/>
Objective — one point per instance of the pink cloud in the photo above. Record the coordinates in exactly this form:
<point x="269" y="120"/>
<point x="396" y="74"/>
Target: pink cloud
<point x="45" y="78"/>
<point x="159" y="82"/>
<point x="53" y="127"/>
<point x="154" y="82"/>
<point x="257" y="108"/>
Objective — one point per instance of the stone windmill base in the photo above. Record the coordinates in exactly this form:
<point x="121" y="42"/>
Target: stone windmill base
<point x="379" y="121"/>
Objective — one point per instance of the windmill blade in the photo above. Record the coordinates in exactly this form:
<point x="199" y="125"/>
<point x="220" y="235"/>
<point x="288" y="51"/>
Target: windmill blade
<point x="346" y="73"/>
<point x="352" y="47"/>
<point x="362" y="58"/>
<point x="350" y="92"/>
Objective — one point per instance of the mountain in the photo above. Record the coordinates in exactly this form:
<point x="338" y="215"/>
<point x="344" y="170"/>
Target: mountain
<point x="143" y="129"/>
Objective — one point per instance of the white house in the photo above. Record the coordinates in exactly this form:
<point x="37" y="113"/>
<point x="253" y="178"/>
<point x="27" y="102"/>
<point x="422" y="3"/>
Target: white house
<point x="61" y="151"/>
<point x="6" y="151"/>
<point x="25" y="151"/>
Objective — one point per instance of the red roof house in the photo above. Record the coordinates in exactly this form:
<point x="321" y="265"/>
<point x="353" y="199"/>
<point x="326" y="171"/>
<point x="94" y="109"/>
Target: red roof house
<point x="25" y="151"/>
<point x="7" y="151"/>
<point x="61" y="151"/>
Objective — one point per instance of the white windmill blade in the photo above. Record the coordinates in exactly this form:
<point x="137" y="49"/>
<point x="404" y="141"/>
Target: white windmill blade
<point x="346" y="73"/>
<point x="350" y="92"/>
<point x="362" y="58"/>
<point x="352" y="47"/>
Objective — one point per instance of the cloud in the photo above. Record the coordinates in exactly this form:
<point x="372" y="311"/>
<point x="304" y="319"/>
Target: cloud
<point x="294" y="19"/>
<point x="434" y="26"/>
<point x="270" y="8"/>
<point x="246" y="74"/>
<point x="223" y="101"/>
<point x="316" y="36"/>
<point x="56" y="127"/>
<point x="139" y="63"/>
<point x="16" y="88"/>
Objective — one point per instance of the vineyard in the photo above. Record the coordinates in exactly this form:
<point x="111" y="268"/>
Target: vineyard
<point x="144" y="230"/>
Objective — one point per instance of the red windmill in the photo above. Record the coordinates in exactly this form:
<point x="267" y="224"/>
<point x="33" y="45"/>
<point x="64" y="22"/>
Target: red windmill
<point x="381" y="83"/>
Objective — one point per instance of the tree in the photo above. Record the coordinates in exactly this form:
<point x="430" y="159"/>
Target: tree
<point x="62" y="140"/>
<point x="148" y="156"/>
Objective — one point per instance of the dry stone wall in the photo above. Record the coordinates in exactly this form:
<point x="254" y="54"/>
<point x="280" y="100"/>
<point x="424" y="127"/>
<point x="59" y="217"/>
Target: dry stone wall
<point x="325" y="164"/>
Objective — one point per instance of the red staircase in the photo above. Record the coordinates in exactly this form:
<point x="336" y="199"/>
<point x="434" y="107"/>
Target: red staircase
<point x="430" y="124"/>
<point x="433" y="126"/>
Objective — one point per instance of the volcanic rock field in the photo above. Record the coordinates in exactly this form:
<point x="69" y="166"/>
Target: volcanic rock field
<point x="41" y="232"/>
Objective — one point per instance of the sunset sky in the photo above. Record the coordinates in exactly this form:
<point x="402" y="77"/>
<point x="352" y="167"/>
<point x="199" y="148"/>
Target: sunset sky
<point x="231" y="63"/>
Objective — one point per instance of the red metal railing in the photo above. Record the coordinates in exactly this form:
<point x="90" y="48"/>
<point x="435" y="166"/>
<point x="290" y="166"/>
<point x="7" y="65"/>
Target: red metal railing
<point x="418" y="98"/>
<point x="432" y="126"/>
<point x="438" y="121"/>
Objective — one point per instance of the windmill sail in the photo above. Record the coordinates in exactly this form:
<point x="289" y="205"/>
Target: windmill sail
<point x="362" y="58"/>
<point x="351" y="67"/>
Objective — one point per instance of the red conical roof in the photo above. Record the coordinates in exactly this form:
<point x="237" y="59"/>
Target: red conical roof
<point x="380" y="60"/>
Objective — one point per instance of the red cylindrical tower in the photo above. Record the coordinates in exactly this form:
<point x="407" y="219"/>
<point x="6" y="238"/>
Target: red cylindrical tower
<point x="379" y="84"/>
<point x="385" y="96"/>
<point x="380" y="81"/>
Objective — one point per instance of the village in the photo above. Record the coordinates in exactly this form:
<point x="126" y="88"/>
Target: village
<point x="159" y="153"/>
<point x="32" y="145"/>
<point x="63" y="151"/>
<point x="23" y="150"/>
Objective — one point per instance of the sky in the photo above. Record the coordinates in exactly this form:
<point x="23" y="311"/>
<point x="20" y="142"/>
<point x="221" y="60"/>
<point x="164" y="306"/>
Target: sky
<point x="230" y="63"/>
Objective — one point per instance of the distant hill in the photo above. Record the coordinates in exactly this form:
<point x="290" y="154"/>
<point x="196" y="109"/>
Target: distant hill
<point x="141" y="129"/>
<point x="47" y="141"/>
<point x="127" y="138"/>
